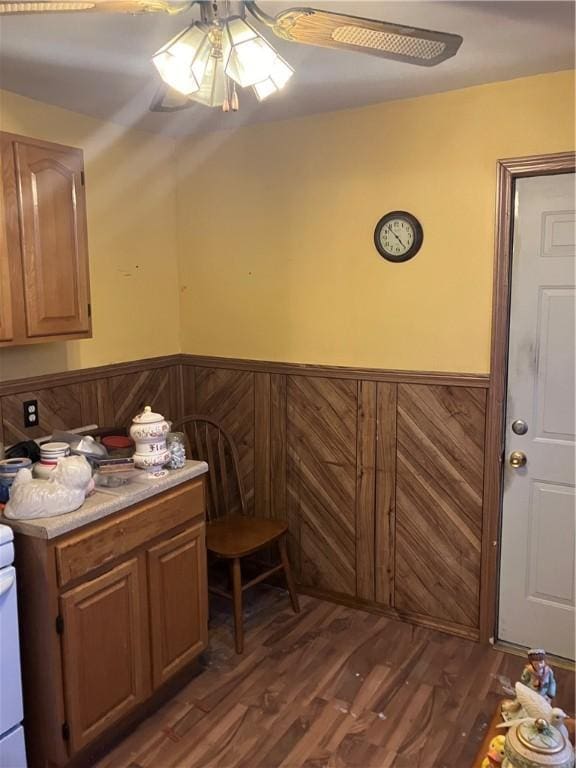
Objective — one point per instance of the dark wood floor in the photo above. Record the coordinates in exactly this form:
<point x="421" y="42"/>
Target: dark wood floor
<point x="333" y="687"/>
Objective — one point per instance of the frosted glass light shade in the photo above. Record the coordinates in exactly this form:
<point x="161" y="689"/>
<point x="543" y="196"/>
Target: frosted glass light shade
<point x="183" y="60"/>
<point x="248" y="57"/>
<point x="212" y="91"/>
<point x="279" y="75"/>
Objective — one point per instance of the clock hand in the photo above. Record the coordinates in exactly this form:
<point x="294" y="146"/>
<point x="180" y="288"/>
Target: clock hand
<point x="396" y="236"/>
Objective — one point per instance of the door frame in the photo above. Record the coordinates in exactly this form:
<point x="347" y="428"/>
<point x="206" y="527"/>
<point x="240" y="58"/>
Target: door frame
<point x="508" y="171"/>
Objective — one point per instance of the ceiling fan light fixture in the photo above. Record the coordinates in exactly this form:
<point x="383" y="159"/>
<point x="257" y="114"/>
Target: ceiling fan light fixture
<point x="44" y="6"/>
<point x="212" y="91"/>
<point x="402" y="45"/>
<point x="248" y="57"/>
<point x="182" y="62"/>
<point x="277" y="79"/>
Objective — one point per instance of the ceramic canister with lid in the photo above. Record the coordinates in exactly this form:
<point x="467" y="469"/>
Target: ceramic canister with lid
<point x="535" y="744"/>
<point x="149" y="432"/>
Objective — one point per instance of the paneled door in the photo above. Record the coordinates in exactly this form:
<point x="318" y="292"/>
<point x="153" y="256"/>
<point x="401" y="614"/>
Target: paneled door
<point x="178" y="602"/>
<point x="537" y="590"/>
<point x="106" y="659"/>
<point x="6" y="322"/>
<point x="53" y="236"/>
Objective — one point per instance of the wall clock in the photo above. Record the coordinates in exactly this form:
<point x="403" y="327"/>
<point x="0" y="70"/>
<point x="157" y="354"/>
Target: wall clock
<point x="398" y="236"/>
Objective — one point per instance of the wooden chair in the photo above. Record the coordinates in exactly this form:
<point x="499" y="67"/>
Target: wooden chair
<point x="231" y="533"/>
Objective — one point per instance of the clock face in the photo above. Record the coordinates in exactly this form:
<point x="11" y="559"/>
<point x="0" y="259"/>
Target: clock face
<point x="398" y="236"/>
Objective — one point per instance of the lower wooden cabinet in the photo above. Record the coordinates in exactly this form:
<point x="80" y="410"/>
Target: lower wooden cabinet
<point x="101" y="639"/>
<point x="178" y="609"/>
<point x="105" y="646"/>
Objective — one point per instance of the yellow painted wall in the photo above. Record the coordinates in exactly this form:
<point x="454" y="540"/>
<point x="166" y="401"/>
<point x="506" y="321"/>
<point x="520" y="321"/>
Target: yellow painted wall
<point x="276" y="222"/>
<point x="266" y="233"/>
<point x="131" y="208"/>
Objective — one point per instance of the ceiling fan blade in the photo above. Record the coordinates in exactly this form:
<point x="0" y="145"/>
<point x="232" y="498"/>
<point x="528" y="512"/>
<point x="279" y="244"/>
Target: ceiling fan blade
<point x="16" y="7"/>
<point x="168" y="100"/>
<point x="412" y="45"/>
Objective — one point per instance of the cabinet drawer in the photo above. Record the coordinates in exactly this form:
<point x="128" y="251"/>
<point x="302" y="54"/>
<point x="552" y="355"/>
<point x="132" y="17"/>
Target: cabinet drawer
<point x="104" y="543"/>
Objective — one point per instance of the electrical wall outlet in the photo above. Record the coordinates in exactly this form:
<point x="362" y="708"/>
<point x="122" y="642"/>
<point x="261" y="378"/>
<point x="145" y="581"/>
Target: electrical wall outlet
<point x="31" y="415"/>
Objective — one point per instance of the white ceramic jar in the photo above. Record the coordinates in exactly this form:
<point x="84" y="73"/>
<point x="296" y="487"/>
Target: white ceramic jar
<point x="149" y="432"/>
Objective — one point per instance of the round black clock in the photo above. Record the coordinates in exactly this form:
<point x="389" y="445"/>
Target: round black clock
<point x="398" y="236"/>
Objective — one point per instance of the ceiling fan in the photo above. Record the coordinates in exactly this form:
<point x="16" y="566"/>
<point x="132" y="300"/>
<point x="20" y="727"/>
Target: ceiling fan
<point x="211" y="57"/>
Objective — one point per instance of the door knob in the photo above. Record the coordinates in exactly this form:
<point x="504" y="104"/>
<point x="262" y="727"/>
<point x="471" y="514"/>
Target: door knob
<point x="517" y="459"/>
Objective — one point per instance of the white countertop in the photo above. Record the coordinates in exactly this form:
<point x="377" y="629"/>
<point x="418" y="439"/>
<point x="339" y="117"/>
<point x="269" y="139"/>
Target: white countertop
<point x="106" y="501"/>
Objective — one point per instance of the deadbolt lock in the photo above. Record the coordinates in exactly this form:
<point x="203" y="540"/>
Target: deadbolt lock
<point x="519" y="427"/>
<point x="517" y="459"/>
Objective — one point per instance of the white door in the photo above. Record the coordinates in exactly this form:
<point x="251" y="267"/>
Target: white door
<point x="538" y="515"/>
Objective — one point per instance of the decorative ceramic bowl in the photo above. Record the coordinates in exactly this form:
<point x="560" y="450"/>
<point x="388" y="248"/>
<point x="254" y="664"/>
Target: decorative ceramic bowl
<point x="9" y="469"/>
<point x="149" y="432"/>
<point x="537" y="744"/>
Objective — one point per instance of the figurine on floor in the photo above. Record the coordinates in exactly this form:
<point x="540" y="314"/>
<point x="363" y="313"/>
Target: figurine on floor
<point x="538" y="675"/>
<point x="495" y="754"/>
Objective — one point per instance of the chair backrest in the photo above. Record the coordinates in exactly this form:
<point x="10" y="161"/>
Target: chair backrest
<point x="209" y="442"/>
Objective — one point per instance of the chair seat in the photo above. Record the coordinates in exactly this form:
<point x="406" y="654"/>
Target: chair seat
<point x="237" y="535"/>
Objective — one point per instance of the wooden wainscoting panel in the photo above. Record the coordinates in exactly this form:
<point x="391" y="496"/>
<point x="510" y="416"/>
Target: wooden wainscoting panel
<point x="105" y="404"/>
<point x="278" y="504"/>
<point x="262" y="416"/>
<point x="189" y="390"/>
<point x="321" y="479"/>
<point x="63" y="407"/>
<point x="365" y="489"/>
<point x="228" y="397"/>
<point x="130" y="392"/>
<point x="385" y="512"/>
<point x="440" y="436"/>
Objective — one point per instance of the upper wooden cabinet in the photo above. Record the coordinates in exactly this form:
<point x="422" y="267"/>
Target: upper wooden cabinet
<point x="44" y="281"/>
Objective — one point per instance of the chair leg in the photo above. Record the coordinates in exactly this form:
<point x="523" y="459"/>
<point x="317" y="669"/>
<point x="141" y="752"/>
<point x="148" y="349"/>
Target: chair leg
<point x="288" y="573"/>
<point x="236" y="577"/>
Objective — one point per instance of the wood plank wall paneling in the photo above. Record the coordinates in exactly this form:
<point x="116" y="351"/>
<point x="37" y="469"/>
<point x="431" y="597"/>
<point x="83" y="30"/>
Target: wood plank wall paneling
<point x="130" y="392"/>
<point x="228" y="396"/>
<point x="439" y="501"/>
<point x="385" y="501"/>
<point x="378" y="474"/>
<point x="66" y="401"/>
<point x="366" y="489"/>
<point x="278" y="447"/>
<point x="321" y="479"/>
<point x="262" y="447"/>
<point x="58" y="408"/>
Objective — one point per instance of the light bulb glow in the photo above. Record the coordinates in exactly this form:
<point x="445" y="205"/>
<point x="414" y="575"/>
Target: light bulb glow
<point x="212" y="91"/>
<point x="280" y="73"/>
<point x="248" y="57"/>
<point x="183" y="60"/>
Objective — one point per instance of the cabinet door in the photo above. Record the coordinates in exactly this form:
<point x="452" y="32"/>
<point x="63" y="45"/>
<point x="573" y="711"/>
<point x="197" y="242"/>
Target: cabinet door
<point x="178" y="602"/>
<point x="53" y="234"/>
<point x="105" y="651"/>
<point x="6" y="323"/>
<point x="10" y="276"/>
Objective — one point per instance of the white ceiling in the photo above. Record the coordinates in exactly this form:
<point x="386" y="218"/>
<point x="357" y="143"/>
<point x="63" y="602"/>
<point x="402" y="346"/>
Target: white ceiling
<point x="99" y="64"/>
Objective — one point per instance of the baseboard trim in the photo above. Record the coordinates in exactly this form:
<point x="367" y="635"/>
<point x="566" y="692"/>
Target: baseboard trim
<point x="518" y="650"/>
<point x="448" y="628"/>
